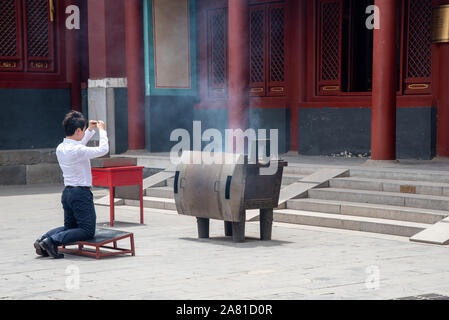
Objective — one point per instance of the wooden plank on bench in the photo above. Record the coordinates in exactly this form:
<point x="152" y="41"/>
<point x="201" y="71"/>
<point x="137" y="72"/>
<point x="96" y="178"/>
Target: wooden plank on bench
<point x="106" y="235"/>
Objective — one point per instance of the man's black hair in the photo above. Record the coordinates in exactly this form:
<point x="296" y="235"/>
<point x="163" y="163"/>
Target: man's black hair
<point x="72" y="121"/>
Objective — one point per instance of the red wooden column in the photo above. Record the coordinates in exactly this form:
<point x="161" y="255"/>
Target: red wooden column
<point x="383" y="123"/>
<point x="443" y="103"/>
<point x="73" y="62"/>
<point x="106" y="39"/>
<point x="298" y="77"/>
<point x="97" y="39"/>
<point x="135" y="74"/>
<point x="238" y="114"/>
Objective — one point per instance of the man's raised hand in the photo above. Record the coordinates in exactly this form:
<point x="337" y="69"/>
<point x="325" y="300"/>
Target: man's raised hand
<point x="101" y="125"/>
<point x="92" y="125"/>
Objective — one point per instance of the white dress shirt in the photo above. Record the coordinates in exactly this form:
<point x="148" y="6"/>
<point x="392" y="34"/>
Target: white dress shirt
<point x="74" y="158"/>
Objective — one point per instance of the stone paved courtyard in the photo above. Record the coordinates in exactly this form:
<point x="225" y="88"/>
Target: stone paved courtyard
<point x="171" y="263"/>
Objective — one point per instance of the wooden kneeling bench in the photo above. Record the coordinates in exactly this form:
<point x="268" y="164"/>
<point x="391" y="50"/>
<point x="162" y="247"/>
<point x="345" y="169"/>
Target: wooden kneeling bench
<point x="103" y="239"/>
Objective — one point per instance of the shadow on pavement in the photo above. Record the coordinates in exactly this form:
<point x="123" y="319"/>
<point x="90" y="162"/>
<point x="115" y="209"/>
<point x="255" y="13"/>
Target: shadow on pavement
<point x="119" y="224"/>
<point x="23" y="190"/>
<point x="250" y="242"/>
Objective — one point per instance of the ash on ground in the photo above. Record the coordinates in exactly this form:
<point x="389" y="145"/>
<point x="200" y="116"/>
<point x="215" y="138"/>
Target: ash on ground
<point x="347" y="154"/>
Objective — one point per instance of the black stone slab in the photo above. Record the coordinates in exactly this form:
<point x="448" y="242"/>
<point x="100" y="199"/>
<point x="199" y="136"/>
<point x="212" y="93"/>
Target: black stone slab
<point x="327" y="131"/>
<point x="38" y="111"/>
<point x="167" y="113"/>
<point x="416" y="131"/>
<point x="13" y="175"/>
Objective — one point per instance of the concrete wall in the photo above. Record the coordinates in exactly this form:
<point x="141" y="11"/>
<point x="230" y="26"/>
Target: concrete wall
<point x="327" y="131"/>
<point x="120" y="101"/>
<point x="31" y="118"/>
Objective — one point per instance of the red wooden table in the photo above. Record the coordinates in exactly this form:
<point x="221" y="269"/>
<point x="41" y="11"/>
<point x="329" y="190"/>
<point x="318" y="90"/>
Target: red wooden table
<point x="117" y="177"/>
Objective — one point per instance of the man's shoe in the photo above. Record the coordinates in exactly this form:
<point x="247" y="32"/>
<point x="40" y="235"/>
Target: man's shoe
<point x="48" y="245"/>
<point x="39" y="250"/>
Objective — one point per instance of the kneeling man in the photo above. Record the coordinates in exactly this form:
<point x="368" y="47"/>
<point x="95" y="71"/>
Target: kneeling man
<point x="77" y="199"/>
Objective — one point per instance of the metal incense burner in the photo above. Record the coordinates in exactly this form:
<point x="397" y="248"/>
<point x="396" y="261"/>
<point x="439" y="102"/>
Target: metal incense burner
<point x="225" y="190"/>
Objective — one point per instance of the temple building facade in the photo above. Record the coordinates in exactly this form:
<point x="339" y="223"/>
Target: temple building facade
<point x="333" y="76"/>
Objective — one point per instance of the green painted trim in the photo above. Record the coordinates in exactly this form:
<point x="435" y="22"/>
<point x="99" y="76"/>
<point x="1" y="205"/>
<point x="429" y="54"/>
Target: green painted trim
<point x="146" y="41"/>
<point x="149" y="54"/>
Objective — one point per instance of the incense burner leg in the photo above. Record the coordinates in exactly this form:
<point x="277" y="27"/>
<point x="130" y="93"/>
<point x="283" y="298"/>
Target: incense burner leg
<point x="266" y="223"/>
<point x="238" y="229"/>
<point x="228" y="228"/>
<point x="203" y="228"/>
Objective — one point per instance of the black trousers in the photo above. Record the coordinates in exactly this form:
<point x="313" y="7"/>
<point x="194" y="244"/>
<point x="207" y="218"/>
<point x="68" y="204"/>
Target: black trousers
<point x="79" y="217"/>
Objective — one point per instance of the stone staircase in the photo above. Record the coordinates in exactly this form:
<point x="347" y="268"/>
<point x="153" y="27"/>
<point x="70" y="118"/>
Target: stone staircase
<point x="396" y="202"/>
<point x="380" y="200"/>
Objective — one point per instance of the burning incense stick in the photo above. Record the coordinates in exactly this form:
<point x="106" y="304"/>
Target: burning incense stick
<point x="95" y="110"/>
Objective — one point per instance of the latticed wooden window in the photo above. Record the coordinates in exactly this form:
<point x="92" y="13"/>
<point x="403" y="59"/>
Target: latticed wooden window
<point x="419" y="52"/>
<point x="267" y="50"/>
<point x="329" y="46"/>
<point x="257" y="50"/>
<point x="344" y="64"/>
<point x="27" y="36"/>
<point x="217" y="52"/>
<point x="10" y="36"/>
<point x="276" y="84"/>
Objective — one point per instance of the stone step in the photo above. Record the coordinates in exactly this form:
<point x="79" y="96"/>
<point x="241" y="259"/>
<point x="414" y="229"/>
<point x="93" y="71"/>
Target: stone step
<point x="170" y="182"/>
<point x="291" y="178"/>
<point x="151" y="161"/>
<point x="378" y="211"/>
<point x="435" y="234"/>
<point x="160" y="192"/>
<point x="153" y="202"/>
<point x="299" y="189"/>
<point x="338" y="221"/>
<point x="401" y="174"/>
<point x="167" y="183"/>
<point x="389" y="185"/>
<point x="379" y="197"/>
<point x="105" y="201"/>
<point x="303" y="170"/>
